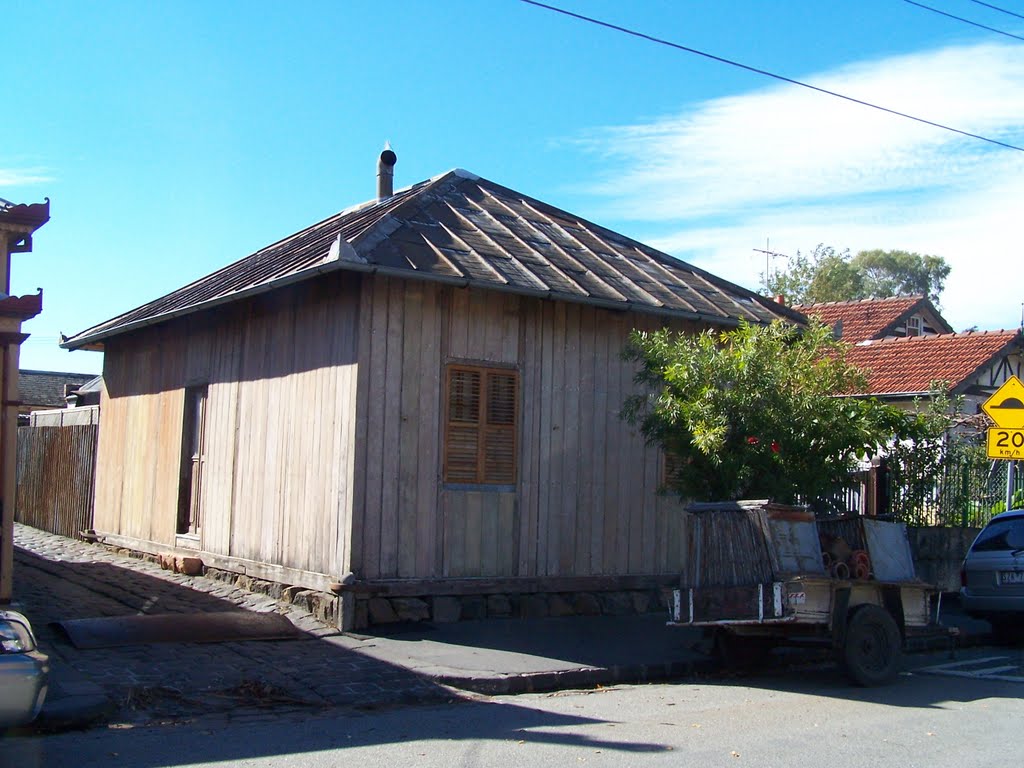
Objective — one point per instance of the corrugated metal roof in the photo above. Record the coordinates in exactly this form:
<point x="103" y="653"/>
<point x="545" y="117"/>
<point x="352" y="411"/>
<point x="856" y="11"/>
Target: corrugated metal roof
<point x="463" y="229"/>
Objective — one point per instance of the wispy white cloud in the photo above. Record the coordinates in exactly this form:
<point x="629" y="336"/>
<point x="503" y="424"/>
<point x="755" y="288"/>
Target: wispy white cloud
<point x="18" y="177"/>
<point x="802" y="168"/>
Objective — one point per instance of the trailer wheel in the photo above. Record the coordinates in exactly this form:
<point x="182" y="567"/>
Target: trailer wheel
<point x="872" y="649"/>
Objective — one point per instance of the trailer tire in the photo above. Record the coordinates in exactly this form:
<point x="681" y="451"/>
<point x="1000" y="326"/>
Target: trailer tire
<point x="873" y="646"/>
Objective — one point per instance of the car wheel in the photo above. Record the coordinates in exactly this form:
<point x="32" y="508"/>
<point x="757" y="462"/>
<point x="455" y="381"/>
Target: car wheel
<point x="872" y="649"/>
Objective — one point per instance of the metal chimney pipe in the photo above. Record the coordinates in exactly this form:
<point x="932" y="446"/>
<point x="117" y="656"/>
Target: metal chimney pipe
<point x="386" y="173"/>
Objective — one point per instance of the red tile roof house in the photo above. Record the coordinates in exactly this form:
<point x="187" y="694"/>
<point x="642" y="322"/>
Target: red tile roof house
<point x="857" y="321"/>
<point x="904" y="344"/>
<point x="413" y="404"/>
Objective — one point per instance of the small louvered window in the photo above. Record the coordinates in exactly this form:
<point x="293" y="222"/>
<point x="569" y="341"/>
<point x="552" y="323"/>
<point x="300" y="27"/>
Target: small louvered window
<point x="480" y="434"/>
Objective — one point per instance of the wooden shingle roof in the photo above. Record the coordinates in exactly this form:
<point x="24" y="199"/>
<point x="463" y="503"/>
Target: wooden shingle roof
<point x="908" y="365"/>
<point x="461" y="229"/>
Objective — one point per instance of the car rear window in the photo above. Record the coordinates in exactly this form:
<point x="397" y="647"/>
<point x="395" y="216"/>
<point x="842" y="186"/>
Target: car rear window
<point x="1001" y="535"/>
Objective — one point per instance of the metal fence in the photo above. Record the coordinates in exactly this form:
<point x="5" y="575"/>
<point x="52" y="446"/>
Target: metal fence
<point x="962" y="488"/>
<point x="56" y="478"/>
<point x="953" y="484"/>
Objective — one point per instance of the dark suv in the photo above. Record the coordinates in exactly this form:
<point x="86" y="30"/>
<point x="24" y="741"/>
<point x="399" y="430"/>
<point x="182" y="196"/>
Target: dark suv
<point x="992" y="579"/>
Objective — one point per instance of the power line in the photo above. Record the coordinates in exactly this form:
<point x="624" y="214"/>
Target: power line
<point x="766" y="73"/>
<point x="997" y="8"/>
<point x="965" y="21"/>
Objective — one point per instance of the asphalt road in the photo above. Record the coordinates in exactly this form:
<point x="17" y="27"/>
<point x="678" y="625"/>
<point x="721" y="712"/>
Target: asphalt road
<point x="804" y="717"/>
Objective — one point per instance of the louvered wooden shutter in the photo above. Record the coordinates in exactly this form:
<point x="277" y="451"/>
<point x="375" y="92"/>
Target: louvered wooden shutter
<point x="462" y="444"/>
<point x="480" y="434"/>
<point x="500" y="429"/>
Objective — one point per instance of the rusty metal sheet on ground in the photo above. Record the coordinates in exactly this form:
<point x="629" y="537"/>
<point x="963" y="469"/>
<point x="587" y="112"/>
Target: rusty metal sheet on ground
<point x="218" y="627"/>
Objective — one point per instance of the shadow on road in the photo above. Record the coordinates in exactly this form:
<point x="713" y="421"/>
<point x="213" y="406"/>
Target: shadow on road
<point x="183" y="679"/>
<point x="815" y="674"/>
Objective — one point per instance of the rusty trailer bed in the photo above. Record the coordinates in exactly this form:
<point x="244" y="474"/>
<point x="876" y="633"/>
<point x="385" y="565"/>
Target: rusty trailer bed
<point x="799" y="599"/>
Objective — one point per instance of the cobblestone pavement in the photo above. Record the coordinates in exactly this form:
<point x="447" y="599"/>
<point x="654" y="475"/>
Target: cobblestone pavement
<point x="56" y="579"/>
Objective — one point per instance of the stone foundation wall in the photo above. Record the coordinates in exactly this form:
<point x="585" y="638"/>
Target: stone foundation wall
<point x="377" y="610"/>
<point x="323" y="605"/>
<point x="448" y="608"/>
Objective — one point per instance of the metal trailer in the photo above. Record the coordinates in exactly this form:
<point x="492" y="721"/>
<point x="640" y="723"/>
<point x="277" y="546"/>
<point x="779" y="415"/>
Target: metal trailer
<point x="765" y="574"/>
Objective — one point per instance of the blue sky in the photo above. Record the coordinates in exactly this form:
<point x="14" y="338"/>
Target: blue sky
<point x="175" y="137"/>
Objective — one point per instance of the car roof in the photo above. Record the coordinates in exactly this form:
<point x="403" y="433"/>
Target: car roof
<point x="1008" y="515"/>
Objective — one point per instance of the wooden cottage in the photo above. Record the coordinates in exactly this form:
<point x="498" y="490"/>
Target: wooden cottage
<point x="418" y="397"/>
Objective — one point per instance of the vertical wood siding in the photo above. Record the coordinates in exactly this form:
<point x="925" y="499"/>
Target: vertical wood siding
<point x="585" y="501"/>
<point x="56" y="471"/>
<point x="317" y="463"/>
<point x="277" y="481"/>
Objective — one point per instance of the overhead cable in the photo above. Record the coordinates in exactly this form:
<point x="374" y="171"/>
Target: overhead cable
<point x="766" y="73"/>
<point x="997" y="8"/>
<point x="965" y="21"/>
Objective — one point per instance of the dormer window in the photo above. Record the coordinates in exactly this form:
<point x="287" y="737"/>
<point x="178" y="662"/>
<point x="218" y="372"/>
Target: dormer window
<point x="915" y="327"/>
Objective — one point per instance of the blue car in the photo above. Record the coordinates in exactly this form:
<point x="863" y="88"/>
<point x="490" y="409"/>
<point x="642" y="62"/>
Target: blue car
<point x="24" y="671"/>
<point x="992" y="577"/>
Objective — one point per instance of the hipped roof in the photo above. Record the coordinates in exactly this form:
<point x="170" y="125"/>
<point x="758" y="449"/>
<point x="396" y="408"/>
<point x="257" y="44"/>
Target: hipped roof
<point x="460" y="229"/>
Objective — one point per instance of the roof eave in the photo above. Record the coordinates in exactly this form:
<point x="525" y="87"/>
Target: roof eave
<point x="890" y="395"/>
<point x="964" y="383"/>
<point x="87" y="340"/>
<point x="27" y="217"/>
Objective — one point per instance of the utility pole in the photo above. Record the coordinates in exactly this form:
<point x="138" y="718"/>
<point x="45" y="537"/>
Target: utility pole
<point x="1010" y="483"/>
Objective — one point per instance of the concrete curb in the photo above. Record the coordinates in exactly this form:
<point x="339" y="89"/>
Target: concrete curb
<point x="567" y="679"/>
<point x="70" y="713"/>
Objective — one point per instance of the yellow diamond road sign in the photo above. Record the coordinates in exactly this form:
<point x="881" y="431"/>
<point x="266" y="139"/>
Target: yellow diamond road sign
<point x="1006" y="406"/>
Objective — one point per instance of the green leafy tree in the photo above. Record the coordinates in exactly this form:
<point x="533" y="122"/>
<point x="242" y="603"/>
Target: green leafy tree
<point x="829" y="275"/>
<point x="752" y="413"/>
<point x="899" y="273"/>
<point x="824" y="271"/>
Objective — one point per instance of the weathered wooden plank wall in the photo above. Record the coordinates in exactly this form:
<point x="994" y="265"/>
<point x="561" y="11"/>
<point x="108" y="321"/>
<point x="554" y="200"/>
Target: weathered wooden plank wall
<point x="139" y="448"/>
<point x="585" y="502"/>
<point x="56" y="474"/>
<point x="281" y="375"/>
<point x="296" y="475"/>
